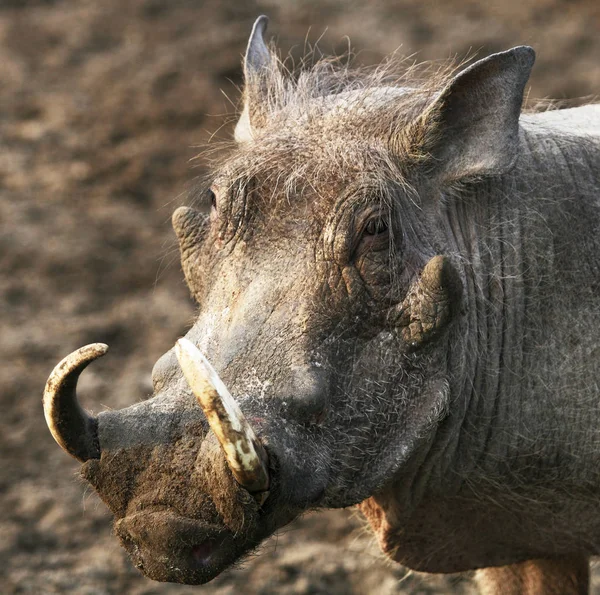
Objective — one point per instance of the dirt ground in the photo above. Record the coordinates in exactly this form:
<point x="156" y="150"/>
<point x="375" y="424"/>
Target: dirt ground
<point x="102" y="106"/>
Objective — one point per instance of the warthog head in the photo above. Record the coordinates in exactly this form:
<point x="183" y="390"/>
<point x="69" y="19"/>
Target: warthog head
<point x="327" y="301"/>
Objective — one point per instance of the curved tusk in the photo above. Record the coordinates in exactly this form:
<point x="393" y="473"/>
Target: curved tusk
<point x="73" y="428"/>
<point x="244" y="453"/>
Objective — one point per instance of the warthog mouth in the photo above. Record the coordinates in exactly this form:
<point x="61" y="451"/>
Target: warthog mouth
<point x="168" y="547"/>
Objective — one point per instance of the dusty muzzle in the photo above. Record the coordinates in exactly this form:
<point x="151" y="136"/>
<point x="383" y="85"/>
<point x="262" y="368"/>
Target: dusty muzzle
<point x="168" y="547"/>
<point x="75" y="430"/>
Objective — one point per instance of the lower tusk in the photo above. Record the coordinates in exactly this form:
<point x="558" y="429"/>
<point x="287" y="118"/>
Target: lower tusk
<point x="244" y="453"/>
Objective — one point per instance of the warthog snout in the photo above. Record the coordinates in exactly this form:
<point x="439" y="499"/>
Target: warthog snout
<point x="167" y="546"/>
<point x="75" y="430"/>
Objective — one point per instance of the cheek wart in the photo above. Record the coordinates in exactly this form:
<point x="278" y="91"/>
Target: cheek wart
<point x="430" y="303"/>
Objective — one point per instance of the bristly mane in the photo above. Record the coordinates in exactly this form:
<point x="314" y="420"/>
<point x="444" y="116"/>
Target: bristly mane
<point x="296" y="89"/>
<point x="316" y="114"/>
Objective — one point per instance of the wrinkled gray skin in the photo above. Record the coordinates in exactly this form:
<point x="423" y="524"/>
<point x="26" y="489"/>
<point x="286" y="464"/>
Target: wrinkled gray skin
<point x="459" y="405"/>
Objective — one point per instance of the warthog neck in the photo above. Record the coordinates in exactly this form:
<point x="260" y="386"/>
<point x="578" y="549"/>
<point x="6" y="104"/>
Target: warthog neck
<point x="519" y="367"/>
<point x="522" y="370"/>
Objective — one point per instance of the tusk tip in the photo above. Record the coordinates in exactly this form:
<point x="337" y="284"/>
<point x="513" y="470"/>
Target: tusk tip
<point x="78" y="360"/>
<point x="190" y="358"/>
<point x="99" y="349"/>
<point x="184" y="345"/>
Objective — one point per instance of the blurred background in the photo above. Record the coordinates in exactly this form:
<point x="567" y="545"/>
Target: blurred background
<point x="102" y="108"/>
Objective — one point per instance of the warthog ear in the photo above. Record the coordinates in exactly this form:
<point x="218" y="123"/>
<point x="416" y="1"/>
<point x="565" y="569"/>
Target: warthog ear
<point x="472" y="127"/>
<point x="430" y="303"/>
<point x="259" y="65"/>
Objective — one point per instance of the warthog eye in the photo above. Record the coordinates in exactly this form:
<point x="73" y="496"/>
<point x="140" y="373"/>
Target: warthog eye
<point x="213" y="198"/>
<point x="375" y="227"/>
<point x="374" y="235"/>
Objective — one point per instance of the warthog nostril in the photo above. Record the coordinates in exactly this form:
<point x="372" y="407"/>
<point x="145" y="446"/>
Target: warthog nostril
<point x="203" y="552"/>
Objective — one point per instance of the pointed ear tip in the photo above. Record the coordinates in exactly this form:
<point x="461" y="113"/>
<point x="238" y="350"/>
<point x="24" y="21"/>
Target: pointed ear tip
<point x="259" y="28"/>
<point x="257" y="53"/>
<point x="525" y="54"/>
<point x="261" y="23"/>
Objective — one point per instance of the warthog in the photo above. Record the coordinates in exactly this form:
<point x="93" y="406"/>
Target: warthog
<point x="399" y="282"/>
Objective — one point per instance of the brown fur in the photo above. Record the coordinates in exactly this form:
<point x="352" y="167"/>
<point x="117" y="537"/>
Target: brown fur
<point x="562" y="576"/>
